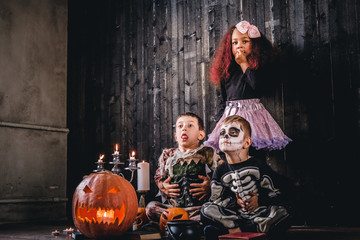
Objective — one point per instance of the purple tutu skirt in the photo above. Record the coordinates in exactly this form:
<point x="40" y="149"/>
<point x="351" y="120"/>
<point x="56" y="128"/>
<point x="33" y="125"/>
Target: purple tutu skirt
<point x="266" y="133"/>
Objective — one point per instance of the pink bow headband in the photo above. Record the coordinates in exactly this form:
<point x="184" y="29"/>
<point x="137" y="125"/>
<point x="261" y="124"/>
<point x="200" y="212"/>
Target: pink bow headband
<point x="252" y="30"/>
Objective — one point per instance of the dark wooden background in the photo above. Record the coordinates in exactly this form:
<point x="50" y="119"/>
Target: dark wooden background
<point x="134" y="65"/>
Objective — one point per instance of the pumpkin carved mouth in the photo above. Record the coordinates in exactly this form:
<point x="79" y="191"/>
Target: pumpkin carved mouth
<point x="100" y="215"/>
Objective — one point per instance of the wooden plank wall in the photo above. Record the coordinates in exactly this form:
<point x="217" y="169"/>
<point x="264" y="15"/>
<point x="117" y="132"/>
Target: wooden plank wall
<point x="142" y="62"/>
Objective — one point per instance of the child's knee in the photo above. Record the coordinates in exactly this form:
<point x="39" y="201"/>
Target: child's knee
<point x="150" y="208"/>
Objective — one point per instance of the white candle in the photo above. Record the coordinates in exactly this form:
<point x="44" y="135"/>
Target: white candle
<point x="143" y="176"/>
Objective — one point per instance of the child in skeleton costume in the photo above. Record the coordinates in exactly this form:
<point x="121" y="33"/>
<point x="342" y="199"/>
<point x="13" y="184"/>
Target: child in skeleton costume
<point x="182" y="174"/>
<point x="245" y="192"/>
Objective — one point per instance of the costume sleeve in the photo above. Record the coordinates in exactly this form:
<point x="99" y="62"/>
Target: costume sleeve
<point x="272" y="185"/>
<point x="213" y="158"/>
<point x="159" y="174"/>
<point x="218" y="195"/>
<point x="217" y="174"/>
<point x="222" y="103"/>
<point x="216" y="187"/>
<point x="219" y="208"/>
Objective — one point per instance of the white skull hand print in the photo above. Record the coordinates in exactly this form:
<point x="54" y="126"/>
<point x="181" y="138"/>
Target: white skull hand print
<point x="231" y="137"/>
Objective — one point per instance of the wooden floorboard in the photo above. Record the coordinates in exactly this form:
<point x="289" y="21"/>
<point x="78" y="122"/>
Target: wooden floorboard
<point x="323" y="233"/>
<point x="42" y="231"/>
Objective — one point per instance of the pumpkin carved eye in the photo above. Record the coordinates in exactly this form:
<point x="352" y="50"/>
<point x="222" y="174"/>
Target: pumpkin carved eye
<point x="113" y="190"/>
<point x="87" y="189"/>
<point x="178" y="217"/>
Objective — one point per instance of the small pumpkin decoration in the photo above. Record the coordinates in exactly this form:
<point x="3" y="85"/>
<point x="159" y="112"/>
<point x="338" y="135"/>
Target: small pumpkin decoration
<point x="172" y="214"/>
<point x="104" y="204"/>
<point x="141" y="217"/>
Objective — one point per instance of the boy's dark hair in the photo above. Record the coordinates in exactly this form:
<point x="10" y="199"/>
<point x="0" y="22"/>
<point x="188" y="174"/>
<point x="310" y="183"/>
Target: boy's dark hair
<point x="239" y="119"/>
<point x="190" y="114"/>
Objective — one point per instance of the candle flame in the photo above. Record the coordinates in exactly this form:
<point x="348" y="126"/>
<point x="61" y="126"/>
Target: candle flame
<point x="133" y="153"/>
<point x="116" y="147"/>
<point x="101" y="156"/>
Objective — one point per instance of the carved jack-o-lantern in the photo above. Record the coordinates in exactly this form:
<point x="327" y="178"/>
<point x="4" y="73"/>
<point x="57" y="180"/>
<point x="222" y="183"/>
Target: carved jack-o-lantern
<point x="141" y="217"/>
<point x="104" y="204"/>
<point x="171" y="214"/>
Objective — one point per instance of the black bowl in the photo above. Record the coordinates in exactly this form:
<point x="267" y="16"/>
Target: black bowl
<point x="184" y="230"/>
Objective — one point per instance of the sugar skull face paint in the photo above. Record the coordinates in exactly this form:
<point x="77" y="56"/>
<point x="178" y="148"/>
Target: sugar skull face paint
<point x="231" y="137"/>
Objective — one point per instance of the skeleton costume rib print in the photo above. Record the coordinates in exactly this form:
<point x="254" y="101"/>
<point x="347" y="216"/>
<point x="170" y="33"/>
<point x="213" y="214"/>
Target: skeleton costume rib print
<point x="251" y="176"/>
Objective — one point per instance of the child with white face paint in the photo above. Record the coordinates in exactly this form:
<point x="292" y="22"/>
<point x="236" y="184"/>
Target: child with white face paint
<point x="245" y="191"/>
<point x="231" y="137"/>
<point x="235" y="141"/>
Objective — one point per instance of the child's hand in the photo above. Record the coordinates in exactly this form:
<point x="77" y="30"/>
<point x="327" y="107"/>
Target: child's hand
<point x="250" y="204"/>
<point x="201" y="189"/>
<point x="240" y="57"/>
<point x="240" y="202"/>
<point x="170" y="190"/>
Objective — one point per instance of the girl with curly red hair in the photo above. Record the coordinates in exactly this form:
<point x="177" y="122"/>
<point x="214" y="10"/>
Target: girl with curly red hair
<point x="241" y="69"/>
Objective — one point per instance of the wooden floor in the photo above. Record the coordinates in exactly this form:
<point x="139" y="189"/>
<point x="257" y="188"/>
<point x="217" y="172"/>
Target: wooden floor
<point x="38" y="231"/>
<point x="323" y="233"/>
<point x="43" y="231"/>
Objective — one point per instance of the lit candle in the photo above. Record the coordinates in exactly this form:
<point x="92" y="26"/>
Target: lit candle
<point x="116" y="149"/>
<point x="55" y="233"/>
<point x="143" y="176"/>
<point x="132" y="157"/>
<point x="69" y="230"/>
<point x="101" y="158"/>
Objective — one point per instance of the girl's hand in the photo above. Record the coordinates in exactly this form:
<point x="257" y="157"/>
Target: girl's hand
<point x="240" y="57"/>
<point x="170" y="190"/>
<point x="201" y="189"/>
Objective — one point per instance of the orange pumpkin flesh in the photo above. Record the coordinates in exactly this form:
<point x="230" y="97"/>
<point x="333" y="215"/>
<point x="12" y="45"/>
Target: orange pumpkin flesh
<point x="100" y="215"/>
<point x="141" y="217"/>
<point x="171" y="214"/>
<point x="104" y="204"/>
